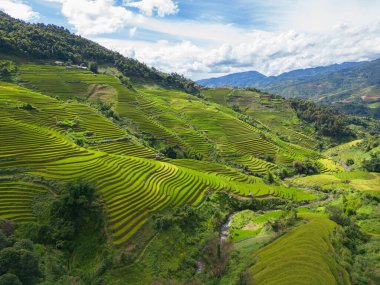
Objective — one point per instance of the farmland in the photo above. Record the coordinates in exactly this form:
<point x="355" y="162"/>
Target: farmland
<point x="148" y="150"/>
<point x="311" y="262"/>
<point x="168" y="168"/>
<point x="131" y="185"/>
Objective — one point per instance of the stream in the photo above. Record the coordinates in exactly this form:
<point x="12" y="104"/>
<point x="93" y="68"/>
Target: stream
<point x="223" y="233"/>
<point x="225" y="228"/>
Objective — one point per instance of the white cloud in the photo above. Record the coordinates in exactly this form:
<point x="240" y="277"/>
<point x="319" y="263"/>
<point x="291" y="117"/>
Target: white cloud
<point x="18" y="9"/>
<point x="322" y="15"/>
<point x="148" y="7"/>
<point x="195" y="30"/>
<point x="268" y="52"/>
<point x="91" y="17"/>
<point x="299" y="34"/>
<point x="132" y="32"/>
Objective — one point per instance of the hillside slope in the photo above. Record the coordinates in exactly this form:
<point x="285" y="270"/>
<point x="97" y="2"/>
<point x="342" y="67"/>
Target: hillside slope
<point x="256" y="79"/>
<point x="348" y="81"/>
<point x="40" y="41"/>
<point x="346" y="84"/>
<point x="312" y="257"/>
<point x="66" y="140"/>
<point x="120" y="174"/>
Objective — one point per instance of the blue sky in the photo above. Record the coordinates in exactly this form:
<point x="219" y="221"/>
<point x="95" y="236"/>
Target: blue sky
<point x="203" y="38"/>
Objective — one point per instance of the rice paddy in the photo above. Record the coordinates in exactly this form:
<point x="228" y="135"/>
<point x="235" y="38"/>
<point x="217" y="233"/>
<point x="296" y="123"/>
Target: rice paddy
<point x="302" y="256"/>
<point x="131" y="183"/>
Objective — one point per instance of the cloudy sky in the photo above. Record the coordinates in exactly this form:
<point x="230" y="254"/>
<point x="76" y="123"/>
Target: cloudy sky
<point x="206" y="38"/>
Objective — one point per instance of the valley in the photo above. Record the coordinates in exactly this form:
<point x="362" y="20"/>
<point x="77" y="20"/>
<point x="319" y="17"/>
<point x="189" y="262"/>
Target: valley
<point x="112" y="172"/>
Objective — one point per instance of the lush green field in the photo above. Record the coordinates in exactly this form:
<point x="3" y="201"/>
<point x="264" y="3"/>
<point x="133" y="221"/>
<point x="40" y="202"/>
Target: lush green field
<point x="361" y="181"/>
<point x="200" y="128"/>
<point x="302" y="256"/>
<point x="162" y="149"/>
<point x="354" y="151"/>
<point x="247" y="224"/>
<point x="273" y="114"/>
<point x="34" y="142"/>
<point x="121" y="174"/>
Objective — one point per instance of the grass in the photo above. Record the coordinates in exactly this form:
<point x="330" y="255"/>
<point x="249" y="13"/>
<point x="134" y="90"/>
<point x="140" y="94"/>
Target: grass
<point x="354" y="151"/>
<point x="360" y="181"/>
<point x="275" y="113"/>
<point x="132" y="186"/>
<point x="302" y="256"/>
<point x="200" y="128"/>
<point x="247" y="224"/>
<point x="113" y="157"/>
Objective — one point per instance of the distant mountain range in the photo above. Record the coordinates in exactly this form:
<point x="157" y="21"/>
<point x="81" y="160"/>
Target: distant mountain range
<point x="347" y="82"/>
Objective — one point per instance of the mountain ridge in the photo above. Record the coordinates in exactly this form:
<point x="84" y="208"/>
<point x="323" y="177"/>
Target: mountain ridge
<point x="349" y="80"/>
<point x="41" y="42"/>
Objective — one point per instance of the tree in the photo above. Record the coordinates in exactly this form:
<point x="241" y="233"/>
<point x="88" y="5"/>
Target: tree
<point x="236" y="108"/>
<point x="305" y="167"/>
<point x="93" y="66"/>
<point x="327" y="121"/>
<point x="20" y="262"/>
<point x="9" y="279"/>
<point x="74" y="204"/>
<point x="336" y="215"/>
<point x="373" y="163"/>
<point x="268" y="178"/>
<point x="216" y="256"/>
<point x="350" y="162"/>
<point x="3" y="241"/>
<point x="283" y="173"/>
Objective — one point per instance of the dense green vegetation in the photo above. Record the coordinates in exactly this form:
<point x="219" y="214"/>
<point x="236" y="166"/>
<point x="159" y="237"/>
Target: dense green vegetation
<point x="360" y="109"/>
<point x="311" y="262"/>
<point x="327" y="121"/>
<point x="115" y="175"/>
<point x="41" y="41"/>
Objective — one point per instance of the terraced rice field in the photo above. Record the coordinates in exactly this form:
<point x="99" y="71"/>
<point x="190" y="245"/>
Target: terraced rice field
<point x="304" y="255"/>
<point x="329" y="165"/>
<point x="57" y="81"/>
<point x="48" y="111"/>
<point x="278" y="115"/>
<point x="256" y="165"/>
<point x="176" y="118"/>
<point x="131" y="183"/>
<point x="361" y="181"/>
<point x="132" y="187"/>
<point x="216" y="168"/>
<point x="124" y="147"/>
<point x="16" y="199"/>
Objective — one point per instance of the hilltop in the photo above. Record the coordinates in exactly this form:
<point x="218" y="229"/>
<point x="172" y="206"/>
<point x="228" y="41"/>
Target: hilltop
<point x="40" y="42"/>
<point x="347" y="82"/>
<point x="256" y="79"/>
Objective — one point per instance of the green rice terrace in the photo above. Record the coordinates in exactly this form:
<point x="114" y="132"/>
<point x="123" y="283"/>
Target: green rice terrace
<point x="112" y="172"/>
<point x="147" y="150"/>
<point x="115" y="159"/>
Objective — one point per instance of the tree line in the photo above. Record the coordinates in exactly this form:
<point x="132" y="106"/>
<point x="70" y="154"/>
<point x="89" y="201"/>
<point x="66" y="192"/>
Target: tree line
<point x="327" y="121"/>
<point x="40" y="41"/>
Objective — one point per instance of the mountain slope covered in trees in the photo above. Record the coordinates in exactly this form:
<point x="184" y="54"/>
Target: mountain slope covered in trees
<point x="347" y="82"/>
<point x="40" y="41"/>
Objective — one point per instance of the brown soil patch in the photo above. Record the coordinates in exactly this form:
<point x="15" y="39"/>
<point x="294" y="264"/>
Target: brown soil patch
<point x="101" y="92"/>
<point x="251" y="227"/>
